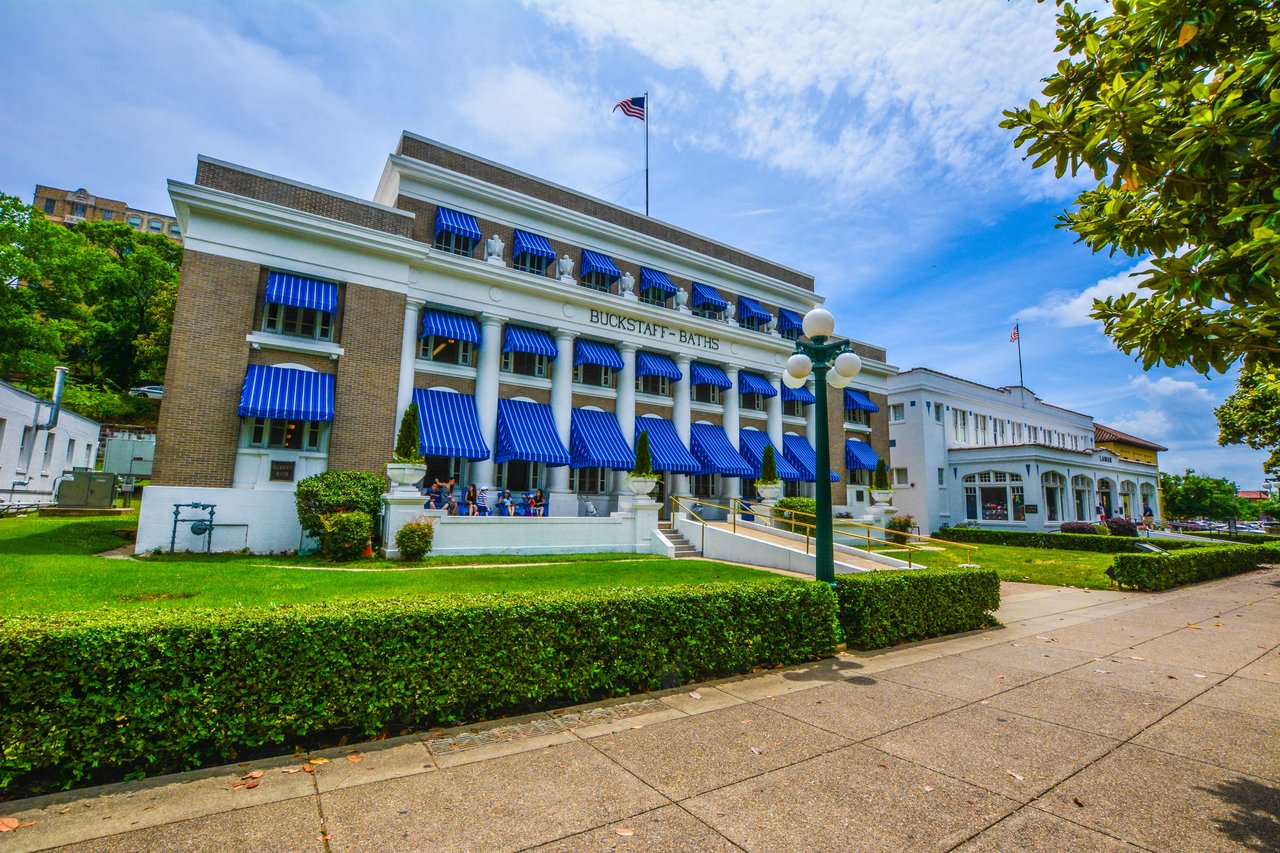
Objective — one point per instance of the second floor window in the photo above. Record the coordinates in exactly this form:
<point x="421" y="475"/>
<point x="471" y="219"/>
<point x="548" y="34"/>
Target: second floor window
<point x="444" y="350"/>
<point x="597" y="280"/>
<point x="659" y="386"/>
<point x="297" y="322"/>
<point x="855" y="416"/>
<point x="594" y="374"/>
<point x="531" y="263"/>
<point x="49" y="205"/>
<point x="959" y="425"/>
<point x="705" y="394"/>
<point x="754" y="402"/>
<point x="897" y="413"/>
<point x="135" y="221"/>
<point x="455" y="244"/>
<point x="525" y="364"/>
<point x="108" y="215"/>
<point x="793" y="408"/>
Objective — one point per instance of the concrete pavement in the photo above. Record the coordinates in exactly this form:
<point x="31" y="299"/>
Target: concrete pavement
<point x="1092" y="721"/>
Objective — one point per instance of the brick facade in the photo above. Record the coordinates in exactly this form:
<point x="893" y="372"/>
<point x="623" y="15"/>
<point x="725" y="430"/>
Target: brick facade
<point x="365" y="417"/>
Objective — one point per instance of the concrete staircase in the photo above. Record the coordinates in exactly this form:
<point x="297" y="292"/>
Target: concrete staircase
<point x="684" y="548"/>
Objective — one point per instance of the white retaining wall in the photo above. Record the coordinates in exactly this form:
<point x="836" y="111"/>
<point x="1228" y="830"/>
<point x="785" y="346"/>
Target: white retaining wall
<point x="262" y="520"/>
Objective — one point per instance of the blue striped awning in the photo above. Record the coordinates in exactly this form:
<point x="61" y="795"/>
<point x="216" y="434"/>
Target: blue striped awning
<point x="655" y="280"/>
<point x="708" y="374"/>
<point x="596" y="262"/>
<point x="595" y="441"/>
<point x="532" y="244"/>
<point x="594" y="352"/>
<point x="527" y="431"/>
<point x="858" y="456"/>
<point x="666" y="448"/>
<point x="754" y="383"/>
<point x="706" y="296"/>
<point x="854" y="399"/>
<point x="751" y="444"/>
<point x="446" y="324"/>
<point x="789" y="321"/>
<point x="800" y="453"/>
<point x="717" y="455"/>
<point x="654" y="364"/>
<point x="448" y="425"/>
<point x="455" y="222"/>
<point x="524" y="339"/>
<point x="798" y="395"/>
<point x="286" y="392"/>
<point x="287" y="289"/>
<point x="749" y="309"/>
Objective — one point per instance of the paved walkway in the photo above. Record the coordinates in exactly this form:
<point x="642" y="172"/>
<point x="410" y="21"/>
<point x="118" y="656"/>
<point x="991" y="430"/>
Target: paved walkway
<point x="1093" y="721"/>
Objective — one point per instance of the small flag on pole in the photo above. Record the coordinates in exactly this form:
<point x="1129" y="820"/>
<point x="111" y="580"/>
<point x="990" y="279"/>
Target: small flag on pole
<point x="633" y="107"/>
<point x="1013" y="336"/>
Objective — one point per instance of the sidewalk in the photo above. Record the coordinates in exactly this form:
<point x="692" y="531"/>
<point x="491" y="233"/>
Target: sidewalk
<point x="1092" y="721"/>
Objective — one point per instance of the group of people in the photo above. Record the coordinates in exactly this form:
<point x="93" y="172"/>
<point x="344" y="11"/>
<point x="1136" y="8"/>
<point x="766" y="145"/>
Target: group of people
<point x="475" y="501"/>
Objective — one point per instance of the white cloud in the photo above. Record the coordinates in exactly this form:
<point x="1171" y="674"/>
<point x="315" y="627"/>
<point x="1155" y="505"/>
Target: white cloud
<point x="1181" y="391"/>
<point x="1072" y="309"/>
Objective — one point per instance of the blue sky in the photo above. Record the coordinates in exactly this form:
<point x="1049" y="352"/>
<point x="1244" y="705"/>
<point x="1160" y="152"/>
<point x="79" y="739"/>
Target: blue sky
<point x="855" y="141"/>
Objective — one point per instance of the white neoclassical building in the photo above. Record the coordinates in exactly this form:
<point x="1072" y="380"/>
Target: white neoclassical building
<point x="966" y="453"/>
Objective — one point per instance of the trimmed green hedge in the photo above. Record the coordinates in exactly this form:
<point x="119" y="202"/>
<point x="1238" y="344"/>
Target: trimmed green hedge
<point x="1056" y="541"/>
<point x="879" y="609"/>
<point x="1243" y="538"/>
<point x="91" y="697"/>
<point x="1156" y="571"/>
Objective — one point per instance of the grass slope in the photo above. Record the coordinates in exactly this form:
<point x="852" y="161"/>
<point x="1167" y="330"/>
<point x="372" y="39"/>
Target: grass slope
<point x="1030" y="565"/>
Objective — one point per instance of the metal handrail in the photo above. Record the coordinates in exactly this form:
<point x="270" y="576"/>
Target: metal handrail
<point x="679" y="502"/>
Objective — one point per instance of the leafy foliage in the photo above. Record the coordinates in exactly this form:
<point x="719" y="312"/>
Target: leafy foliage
<point x="1192" y="495"/>
<point x="880" y="477"/>
<point x="1156" y="571"/>
<point x="337" y="491"/>
<point x="1173" y="109"/>
<point x="346" y="535"/>
<point x="1085" y="527"/>
<point x="768" y="467"/>
<point x="1251" y="416"/>
<point x="879" y="609"/>
<point x="414" y="540"/>
<point x="1082" y="541"/>
<point x="109" y="694"/>
<point x="408" y="439"/>
<point x="1117" y="526"/>
<point x="644" y="460"/>
<point x="902" y="524"/>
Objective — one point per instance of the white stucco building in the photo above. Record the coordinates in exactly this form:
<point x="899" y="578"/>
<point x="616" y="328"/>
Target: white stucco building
<point x="965" y="453"/>
<point x="31" y="457"/>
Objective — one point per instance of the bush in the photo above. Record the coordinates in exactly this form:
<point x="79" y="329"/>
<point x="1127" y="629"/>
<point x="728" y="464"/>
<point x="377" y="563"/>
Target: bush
<point x="101" y="695"/>
<point x="1101" y="530"/>
<point x="1158" y="571"/>
<point x="413" y="540"/>
<point x="801" y="523"/>
<point x="1117" y="526"/>
<point x="1086" y="527"/>
<point x="880" y="478"/>
<point x="903" y="524"/>
<point x="879" y="609"/>
<point x="643" y="466"/>
<point x="768" y="467"/>
<point x="1244" y="538"/>
<point x="345" y="536"/>
<point x="1056" y="541"/>
<point x="408" y="443"/>
<point x="337" y="491"/>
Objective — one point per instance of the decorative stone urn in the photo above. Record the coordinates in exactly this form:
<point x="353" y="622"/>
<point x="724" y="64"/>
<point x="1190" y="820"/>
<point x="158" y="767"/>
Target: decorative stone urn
<point x="403" y="475"/>
<point x="769" y="492"/>
<point x="881" y="497"/>
<point x="641" y="486"/>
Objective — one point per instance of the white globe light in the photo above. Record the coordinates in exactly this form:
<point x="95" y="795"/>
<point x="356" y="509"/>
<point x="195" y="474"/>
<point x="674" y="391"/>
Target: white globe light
<point x="794" y="382"/>
<point x="848" y="364"/>
<point x="819" y="323"/>
<point x="835" y="380"/>
<point x="799" y="365"/>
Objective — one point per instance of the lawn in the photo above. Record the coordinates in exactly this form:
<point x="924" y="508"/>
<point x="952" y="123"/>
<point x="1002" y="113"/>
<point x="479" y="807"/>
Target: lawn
<point x="1031" y="565"/>
<point x="49" y="565"/>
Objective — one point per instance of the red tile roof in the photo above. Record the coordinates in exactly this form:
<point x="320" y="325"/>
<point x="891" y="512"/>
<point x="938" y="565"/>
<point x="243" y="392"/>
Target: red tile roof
<point x="1105" y="433"/>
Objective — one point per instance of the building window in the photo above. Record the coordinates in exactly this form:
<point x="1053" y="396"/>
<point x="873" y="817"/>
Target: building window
<point x="519" y="476"/>
<point x="48" y="453"/>
<point x="793" y="408"/>
<point x="155" y="225"/>
<point x="791" y="333"/>
<point x="175" y="230"/>
<point x="859" y="416"/>
<point x="297" y="322"/>
<point x="1053" y="488"/>
<point x="446" y="468"/>
<point x="135" y="221"/>
<point x="942" y="477"/>
<point x="959" y="425"/>
<point x="754" y="402"/>
<point x="705" y="394"/>
<point x="107" y="215"/>
<point x="937" y="411"/>
<point x="653" y="296"/>
<point x="980" y="429"/>
<point x="659" y="386"/>
<point x="899" y="476"/>
<point x="455" y="244"/>
<point x="704" y="486"/>
<point x="71" y="452"/>
<point x="77" y="209"/>
<point x="530" y="263"/>
<point x="1017" y="433"/>
<point x="597" y="280"/>
<point x="446" y="350"/>
<point x="707" y="312"/>
<point x="998" y="498"/>
<point x="594" y="374"/>
<point x="24" y="449"/>
<point x="589" y="481"/>
<point x="897" y="413"/>
<point x="524" y="364"/>
<point x="752" y="323"/>
<point x="49" y="205"/>
<point x="999" y="430"/>
<point x="859" y="477"/>
<point x="287" y="434"/>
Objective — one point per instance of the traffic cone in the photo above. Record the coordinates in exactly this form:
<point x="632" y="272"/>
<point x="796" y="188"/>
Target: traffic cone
<point x="368" y="549"/>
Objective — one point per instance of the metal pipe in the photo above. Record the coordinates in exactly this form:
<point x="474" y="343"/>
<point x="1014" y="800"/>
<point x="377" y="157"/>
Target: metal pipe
<point x="59" y="385"/>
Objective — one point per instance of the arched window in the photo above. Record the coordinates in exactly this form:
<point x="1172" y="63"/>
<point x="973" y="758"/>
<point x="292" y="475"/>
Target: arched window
<point x="1054" y="486"/>
<point x="1082" y="495"/>
<point x="994" y="496"/>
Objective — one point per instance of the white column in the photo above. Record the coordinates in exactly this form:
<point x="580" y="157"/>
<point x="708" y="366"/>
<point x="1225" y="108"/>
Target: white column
<point x="681" y="417"/>
<point x="774" y="411"/>
<point x="732" y="485"/>
<point x="408" y="357"/>
<point x="490" y="362"/>
<point x="562" y="501"/>
<point x="625" y="407"/>
<point x="811" y="433"/>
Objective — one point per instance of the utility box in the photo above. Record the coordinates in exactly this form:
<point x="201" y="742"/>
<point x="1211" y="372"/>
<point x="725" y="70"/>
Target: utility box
<point x="129" y="454"/>
<point x="90" y="489"/>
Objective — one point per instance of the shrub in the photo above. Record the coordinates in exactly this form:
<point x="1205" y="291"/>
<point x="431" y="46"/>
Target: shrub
<point x="337" y="491"/>
<point x="768" y="467"/>
<point x="1056" y="541"/>
<point x="1101" y="530"/>
<point x="408" y="443"/>
<point x="644" y="460"/>
<point x="1244" y="538"/>
<point x="1085" y="527"/>
<point x="1160" y="571"/>
<point x="880" y="478"/>
<point x="879" y="609"/>
<point x="902" y="523"/>
<point x="101" y="694"/>
<point x="800" y="523"/>
<point x="413" y="540"/>
<point x="1118" y="526"/>
<point x="345" y="536"/>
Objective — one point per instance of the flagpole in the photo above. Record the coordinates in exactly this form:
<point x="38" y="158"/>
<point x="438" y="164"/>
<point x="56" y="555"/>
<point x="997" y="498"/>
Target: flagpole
<point x="1018" y="326"/>
<point x="646" y="152"/>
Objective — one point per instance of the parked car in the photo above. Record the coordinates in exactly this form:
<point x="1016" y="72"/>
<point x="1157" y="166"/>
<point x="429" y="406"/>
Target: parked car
<point x="154" y="392"/>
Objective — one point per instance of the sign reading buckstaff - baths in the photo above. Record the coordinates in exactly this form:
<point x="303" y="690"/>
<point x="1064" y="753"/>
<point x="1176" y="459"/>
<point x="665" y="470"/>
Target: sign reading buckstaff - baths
<point x="657" y="331"/>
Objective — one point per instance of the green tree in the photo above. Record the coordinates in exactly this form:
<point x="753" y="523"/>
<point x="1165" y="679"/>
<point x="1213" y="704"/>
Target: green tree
<point x="408" y="446"/>
<point x="1251" y="416"/>
<point x="1173" y="107"/>
<point x="643" y="466"/>
<point x="1192" y="495"/>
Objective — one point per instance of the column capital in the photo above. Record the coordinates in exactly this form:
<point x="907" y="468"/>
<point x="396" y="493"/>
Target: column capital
<point x="731" y="370"/>
<point x="487" y="319"/>
<point x="684" y="359"/>
<point x="565" y="335"/>
<point x="627" y="347"/>
<point x="414" y="303"/>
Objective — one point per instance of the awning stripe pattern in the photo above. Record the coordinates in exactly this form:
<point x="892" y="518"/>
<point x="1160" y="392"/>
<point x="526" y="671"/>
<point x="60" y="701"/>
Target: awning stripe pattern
<point x="751" y="444"/>
<point x="754" y="383"/>
<point x="532" y="244"/>
<point x="446" y="324"/>
<point x="448" y="424"/>
<point x="798" y="395"/>
<point x="524" y="339"/>
<point x="596" y="262"/>
<point x="800" y="453"/>
<point x="656" y="364"/>
<point x="854" y="399"/>
<point x="789" y="321"/>
<point x="666" y="448"/>
<point x="706" y="296"/>
<point x="287" y="289"/>
<point x="456" y="222"/>
<point x="595" y="441"/>
<point x="716" y="453"/>
<point x="286" y="392"/>
<point x="858" y="456"/>
<point x="656" y="280"/>
<point x="594" y="352"/>
<point x="527" y="431"/>
<point x="749" y="309"/>
<point x="708" y="374"/>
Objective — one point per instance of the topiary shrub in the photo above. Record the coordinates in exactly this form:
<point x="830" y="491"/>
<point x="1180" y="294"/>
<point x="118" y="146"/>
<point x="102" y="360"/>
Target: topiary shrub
<point x="644" y="460"/>
<point x="414" y="540"/>
<point x="1121" y="527"/>
<point x="1077" y="527"/>
<point x="408" y="442"/>
<point x="902" y="524"/>
<point x="880" y="479"/>
<point x="768" y="467"/>
<point x="346" y="535"/>
<point x="337" y="491"/>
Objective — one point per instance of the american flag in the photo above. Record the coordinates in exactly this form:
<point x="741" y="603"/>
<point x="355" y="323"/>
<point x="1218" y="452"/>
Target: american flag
<point x="1013" y="336"/>
<point x="633" y="107"/>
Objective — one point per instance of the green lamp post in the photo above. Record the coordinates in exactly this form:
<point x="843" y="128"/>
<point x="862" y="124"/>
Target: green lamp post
<point x="831" y="362"/>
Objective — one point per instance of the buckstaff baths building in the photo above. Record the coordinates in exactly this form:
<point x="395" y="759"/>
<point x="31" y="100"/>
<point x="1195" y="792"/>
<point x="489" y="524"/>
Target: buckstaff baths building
<point x="538" y="330"/>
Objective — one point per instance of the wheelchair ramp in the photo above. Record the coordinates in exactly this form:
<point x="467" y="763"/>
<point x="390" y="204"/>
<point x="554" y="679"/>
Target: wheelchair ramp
<point x="757" y="547"/>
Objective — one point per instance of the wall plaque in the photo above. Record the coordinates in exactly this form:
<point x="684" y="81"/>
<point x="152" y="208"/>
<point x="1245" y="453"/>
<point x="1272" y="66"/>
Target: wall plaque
<point x="282" y="470"/>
